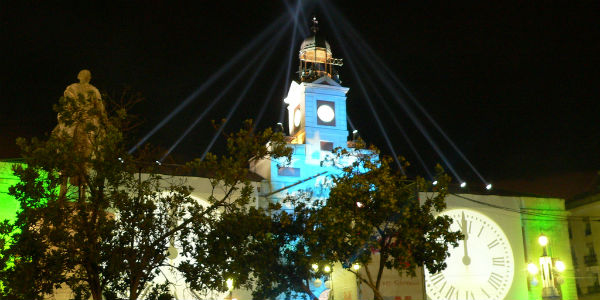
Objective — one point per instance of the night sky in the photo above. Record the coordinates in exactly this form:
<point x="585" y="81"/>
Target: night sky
<point x="515" y="85"/>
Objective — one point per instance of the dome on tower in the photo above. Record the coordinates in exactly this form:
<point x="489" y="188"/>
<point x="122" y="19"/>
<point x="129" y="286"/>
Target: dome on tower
<point x="315" y="41"/>
<point x="316" y="59"/>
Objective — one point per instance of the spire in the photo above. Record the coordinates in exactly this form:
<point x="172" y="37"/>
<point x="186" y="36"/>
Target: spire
<point x="315" y="26"/>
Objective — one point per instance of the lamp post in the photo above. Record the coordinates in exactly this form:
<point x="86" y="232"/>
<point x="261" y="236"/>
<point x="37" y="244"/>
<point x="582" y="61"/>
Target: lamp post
<point x="328" y="281"/>
<point x="548" y="268"/>
<point x="229" y="283"/>
<point x="327" y="270"/>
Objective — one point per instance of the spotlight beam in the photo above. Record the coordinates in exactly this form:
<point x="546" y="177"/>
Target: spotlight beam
<point x="350" y="122"/>
<point x="289" y="56"/>
<point x="409" y="111"/>
<point x="295" y="13"/>
<point x="246" y="49"/>
<point x="362" y="88"/>
<point x="221" y="94"/>
<point x="268" y="98"/>
<point x="243" y="93"/>
<point x="424" y="111"/>
<point x="397" y="123"/>
<point x="371" y="53"/>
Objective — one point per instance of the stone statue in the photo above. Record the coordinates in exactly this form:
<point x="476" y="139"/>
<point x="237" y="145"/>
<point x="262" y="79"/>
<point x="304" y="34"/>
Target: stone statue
<point x="82" y="120"/>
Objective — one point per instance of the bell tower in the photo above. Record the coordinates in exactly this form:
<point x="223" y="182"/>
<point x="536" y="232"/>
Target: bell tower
<point x="317" y="103"/>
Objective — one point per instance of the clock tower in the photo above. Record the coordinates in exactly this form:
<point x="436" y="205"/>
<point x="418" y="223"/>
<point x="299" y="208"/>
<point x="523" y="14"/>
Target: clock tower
<point x="317" y="103"/>
<point x="317" y="124"/>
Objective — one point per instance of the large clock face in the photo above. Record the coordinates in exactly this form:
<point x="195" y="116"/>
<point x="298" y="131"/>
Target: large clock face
<point x="481" y="267"/>
<point x="325" y="113"/>
<point x="297" y="117"/>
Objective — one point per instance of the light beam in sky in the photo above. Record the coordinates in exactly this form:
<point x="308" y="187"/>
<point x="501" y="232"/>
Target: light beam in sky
<point x="362" y="88"/>
<point x="240" y="54"/>
<point x="243" y="93"/>
<point x="274" y="41"/>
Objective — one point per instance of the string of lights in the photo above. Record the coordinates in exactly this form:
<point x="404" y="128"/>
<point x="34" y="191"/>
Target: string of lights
<point x="532" y="212"/>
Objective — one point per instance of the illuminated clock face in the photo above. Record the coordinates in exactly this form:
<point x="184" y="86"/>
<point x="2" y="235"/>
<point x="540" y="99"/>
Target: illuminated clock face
<point x="481" y="267"/>
<point x="325" y="113"/>
<point x="297" y="117"/>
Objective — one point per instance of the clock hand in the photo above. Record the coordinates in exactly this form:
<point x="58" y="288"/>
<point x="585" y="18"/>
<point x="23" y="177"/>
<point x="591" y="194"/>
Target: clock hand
<point x="466" y="259"/>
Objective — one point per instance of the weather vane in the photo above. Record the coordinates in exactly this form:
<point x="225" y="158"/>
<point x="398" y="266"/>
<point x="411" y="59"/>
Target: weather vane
<point x="315" y="26"/>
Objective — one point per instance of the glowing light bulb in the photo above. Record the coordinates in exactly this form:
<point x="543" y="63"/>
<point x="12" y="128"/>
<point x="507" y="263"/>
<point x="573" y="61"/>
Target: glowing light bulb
<point x="434" y="182"/>
<point x="488" y="186"/>
<point x="359" y="204"/>
<point x="543" y="240"/>
<point x="315" y="267"/>
<point x="229" y="283"/>
<point x="327" y="269"/>
<point x="158" y="162"/>
<point x="355" y="267"/>
<point x="560" y="265"/>
<point x="532" y="268"/>
<point x="463" y="184"/>
<point x="354" y="131"/>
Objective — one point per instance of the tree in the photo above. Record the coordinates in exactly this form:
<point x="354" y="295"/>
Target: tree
<point x="224" y="244"/>
<point x="370" y="209"/>
<point x="374" y="209"/>
<point x="100" y="222"/>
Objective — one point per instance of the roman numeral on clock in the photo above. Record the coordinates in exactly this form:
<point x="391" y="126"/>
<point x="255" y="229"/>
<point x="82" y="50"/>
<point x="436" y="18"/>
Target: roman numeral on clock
<point x="468" y="295"/>
<point x="493" y="244"/>
<point x="495" y="280"/>
<point x="450" y="292"/>
<point x="437" y="278"/>
<point x="486" y="294"/>
<point x="498" y="261"/>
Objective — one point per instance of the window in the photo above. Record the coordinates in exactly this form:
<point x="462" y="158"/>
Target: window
<point x="287" y="171"/>
<point x="588" y="227"/>
<point x="590" y="259"/>
<point x="326" y="146"/>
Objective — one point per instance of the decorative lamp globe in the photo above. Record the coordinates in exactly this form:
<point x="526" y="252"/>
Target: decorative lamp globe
<point x="560" y="265"/>
<point x="532" y="269"/>
<point x="317" y="283"/>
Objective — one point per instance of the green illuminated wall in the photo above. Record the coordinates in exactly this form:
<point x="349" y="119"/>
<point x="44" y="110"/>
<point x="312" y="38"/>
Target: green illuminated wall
<point x="8" y="204"/>
<point x="556" y="229"/>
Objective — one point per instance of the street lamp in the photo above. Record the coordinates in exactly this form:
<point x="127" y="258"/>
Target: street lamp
<point x="548" y="269"/>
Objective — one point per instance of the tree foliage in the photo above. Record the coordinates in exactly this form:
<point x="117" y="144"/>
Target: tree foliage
<point x="100" y="222"/>
<point x="371" y="210"/>
<point x="374" y="210"/>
